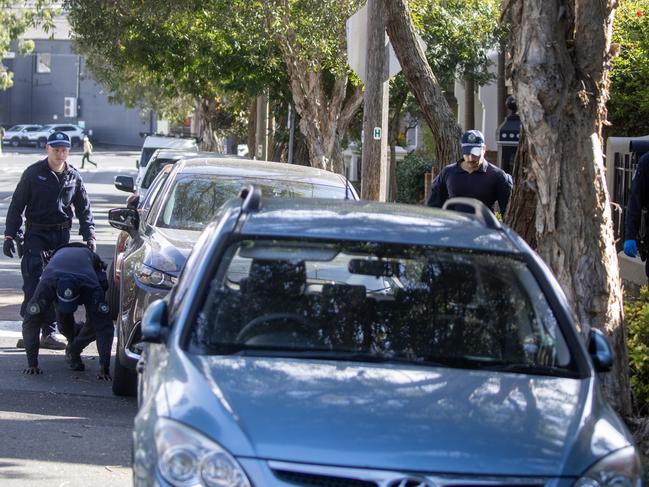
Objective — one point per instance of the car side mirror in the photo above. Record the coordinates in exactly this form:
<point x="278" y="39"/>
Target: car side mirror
<point x="154" y="323"/>
<point x="125" y="183"/>
<point x="127" y="219"/>
<point x="600" y="351"/>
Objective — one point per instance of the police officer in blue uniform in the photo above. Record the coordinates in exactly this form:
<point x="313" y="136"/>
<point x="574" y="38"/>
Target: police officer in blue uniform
<point x="638" y="199"/>
<point x="472" y="177"/>
<point x="73" y="276"/>
<point x="47" y="193"/>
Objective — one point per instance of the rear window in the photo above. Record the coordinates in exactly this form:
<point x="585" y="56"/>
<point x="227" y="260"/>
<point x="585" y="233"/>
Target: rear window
<point x="193" y="201"/>
<point x="372" y="302"/>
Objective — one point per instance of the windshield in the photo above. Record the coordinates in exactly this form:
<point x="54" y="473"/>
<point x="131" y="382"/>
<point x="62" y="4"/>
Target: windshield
<point x="371" y="302"/>
<point x="16" y="128"/>
<point x="154" y="169"/>
<point x="194" y="200"/>
<point x="146" y="155"/>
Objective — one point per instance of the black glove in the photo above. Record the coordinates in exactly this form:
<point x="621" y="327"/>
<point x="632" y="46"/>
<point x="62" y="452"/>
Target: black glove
<point x="92" y="244"/>
<point x="32" y="371"/>
<point x="9" y="247"/>
<point x="104" y="374"/>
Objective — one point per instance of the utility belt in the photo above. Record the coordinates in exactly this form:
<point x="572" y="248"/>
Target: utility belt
<point x="49" y="226"/>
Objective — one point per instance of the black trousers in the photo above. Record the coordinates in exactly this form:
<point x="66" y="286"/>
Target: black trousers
<point x="31" y="267"/>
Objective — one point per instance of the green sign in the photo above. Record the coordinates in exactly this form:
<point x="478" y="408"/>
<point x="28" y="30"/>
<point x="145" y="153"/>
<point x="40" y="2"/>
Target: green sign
<point x="377" y="133"/>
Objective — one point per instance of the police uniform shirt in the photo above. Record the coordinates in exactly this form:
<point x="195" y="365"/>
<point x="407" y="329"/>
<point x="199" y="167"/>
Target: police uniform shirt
<point x="72" y="261"/>
<point x="638" y="199"/>
<point x="488" y="184"/>
<point x="47" y="199"/>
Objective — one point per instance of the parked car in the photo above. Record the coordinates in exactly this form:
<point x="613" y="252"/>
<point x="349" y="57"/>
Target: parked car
<point x="142" y="203"/>
<point x="161" y="241"/>
<point x="312" y="342"/>
<point x="39" y="137"/>
<point x="17" y="135"/>
<point x="155" y="142"/>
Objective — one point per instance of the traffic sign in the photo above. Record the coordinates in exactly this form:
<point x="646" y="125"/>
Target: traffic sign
<point x="376" y="133"/>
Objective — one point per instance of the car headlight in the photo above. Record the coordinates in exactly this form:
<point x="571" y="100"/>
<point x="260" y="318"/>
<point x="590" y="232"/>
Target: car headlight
<point x="155" y="278"/>
<point x="619" y="469"/>
<point x="187" y="458"/>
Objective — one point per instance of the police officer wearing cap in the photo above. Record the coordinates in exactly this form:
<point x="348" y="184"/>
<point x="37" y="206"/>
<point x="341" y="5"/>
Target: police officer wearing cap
<point x="47" y="193"/>
<point x="472" y="177"/>
<point x="73" y="276"/>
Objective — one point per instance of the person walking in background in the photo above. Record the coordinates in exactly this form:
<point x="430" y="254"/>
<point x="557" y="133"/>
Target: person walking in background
<point x="2" y="136"/>
<point x="472" y="177"/>
<point x="87" y="151"/>
<point x="48" y="192"/>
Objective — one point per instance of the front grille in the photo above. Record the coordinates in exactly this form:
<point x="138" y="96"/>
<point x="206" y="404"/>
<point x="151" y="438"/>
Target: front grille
<point x="314" y="480"/>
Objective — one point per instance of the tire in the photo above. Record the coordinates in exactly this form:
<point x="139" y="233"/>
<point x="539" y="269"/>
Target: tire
<point x="42" y="143"/>
<point x="112" y="295"/>
<point x="124" y="379"/>
<point x="15" y="142"/>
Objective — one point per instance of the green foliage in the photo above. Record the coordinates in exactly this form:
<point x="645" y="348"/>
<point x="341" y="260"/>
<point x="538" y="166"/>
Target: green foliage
<point x="459" y="34"/>
<point x="410" y="177"/>
<point x="629" y="93"/>
<point x="636" y="313"/>
<point x="16" y="16"/>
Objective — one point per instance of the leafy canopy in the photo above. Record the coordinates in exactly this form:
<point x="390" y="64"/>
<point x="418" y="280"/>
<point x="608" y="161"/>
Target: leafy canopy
<point x="16" y="16"/>
<point x="629" y="102"/>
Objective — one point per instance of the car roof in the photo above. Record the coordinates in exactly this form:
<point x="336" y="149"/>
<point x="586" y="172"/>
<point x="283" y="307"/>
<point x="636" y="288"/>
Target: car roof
<point x="364" y="221"/>
<point x="166" y="142"/>
<point x="179" y="153"/>
<point x="249" y="168"/>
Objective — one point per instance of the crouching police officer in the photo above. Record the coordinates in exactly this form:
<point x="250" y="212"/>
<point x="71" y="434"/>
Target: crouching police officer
<point x="74" y="275"/>
<point x="47" y="191"/>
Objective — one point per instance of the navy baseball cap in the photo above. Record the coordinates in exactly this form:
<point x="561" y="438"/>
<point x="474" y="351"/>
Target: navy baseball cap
<point x="472" y="142"/>
<point x="58" y="139"/>
<point x="67" y="294"/>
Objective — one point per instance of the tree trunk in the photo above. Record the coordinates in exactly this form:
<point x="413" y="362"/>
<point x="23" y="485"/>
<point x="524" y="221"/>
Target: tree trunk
<point x="558" y="64"/>
<point x="469" y="103"/>
<point x="209" y="141"/>
<point x="423" y="83"/>
<point x="521" y="211"/>
<point x="252" y="128"/>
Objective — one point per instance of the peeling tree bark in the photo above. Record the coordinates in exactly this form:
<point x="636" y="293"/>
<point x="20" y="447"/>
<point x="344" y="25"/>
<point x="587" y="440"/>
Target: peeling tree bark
<point x="558" y="61"/>
<point x="423" y="83"/>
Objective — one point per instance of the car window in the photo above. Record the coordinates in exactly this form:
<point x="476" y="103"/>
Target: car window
<point x="368" y="302"/>
<point x="16" y="128"/>
<point x="152" y="193"/>
<point x="153" y="170"/>
<point x="194" y="200"/>
<point x="146" y="155"/>
<point x="47" y="127"/>
<point x="33" y="129"/>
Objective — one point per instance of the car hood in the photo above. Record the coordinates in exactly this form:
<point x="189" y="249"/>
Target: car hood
<point x="169" y="249"/>
<point x="395" y="417"/>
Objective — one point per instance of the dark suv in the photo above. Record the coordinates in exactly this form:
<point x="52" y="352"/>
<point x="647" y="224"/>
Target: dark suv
<point x="313" y="342"/>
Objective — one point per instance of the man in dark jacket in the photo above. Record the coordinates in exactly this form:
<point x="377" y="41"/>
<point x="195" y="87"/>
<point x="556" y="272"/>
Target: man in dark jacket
<point x="73" y="276"/>
<point x="638" y="200"/>
<point x="47" y="193"/>
<point x="472" y="177"/>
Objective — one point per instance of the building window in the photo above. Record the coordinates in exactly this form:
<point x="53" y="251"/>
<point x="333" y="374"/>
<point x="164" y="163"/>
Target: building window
<point x="44" y="62"/>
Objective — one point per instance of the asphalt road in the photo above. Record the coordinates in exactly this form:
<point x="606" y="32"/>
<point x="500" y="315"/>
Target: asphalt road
<point x="63" y="428"/>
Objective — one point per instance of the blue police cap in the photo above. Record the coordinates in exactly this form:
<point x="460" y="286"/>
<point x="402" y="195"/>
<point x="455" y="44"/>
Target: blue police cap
<point x="58" y="139"/>
<point x="472" y="142"/>
<point x="67" y="294"/>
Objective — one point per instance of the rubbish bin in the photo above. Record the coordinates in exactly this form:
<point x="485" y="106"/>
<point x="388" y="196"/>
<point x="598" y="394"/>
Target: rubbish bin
<point x="509" y="133"/>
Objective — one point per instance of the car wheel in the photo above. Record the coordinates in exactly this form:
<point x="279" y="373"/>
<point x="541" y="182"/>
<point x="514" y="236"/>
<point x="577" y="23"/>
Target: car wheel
<point x="124" y="379"/>
<point x="42" y="143"/>
<point x="15" y="142"/>
<point x="113" y="293"/>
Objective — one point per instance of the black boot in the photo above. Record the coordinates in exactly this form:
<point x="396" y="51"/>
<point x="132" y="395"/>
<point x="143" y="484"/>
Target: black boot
<point x="75" y="362"/>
